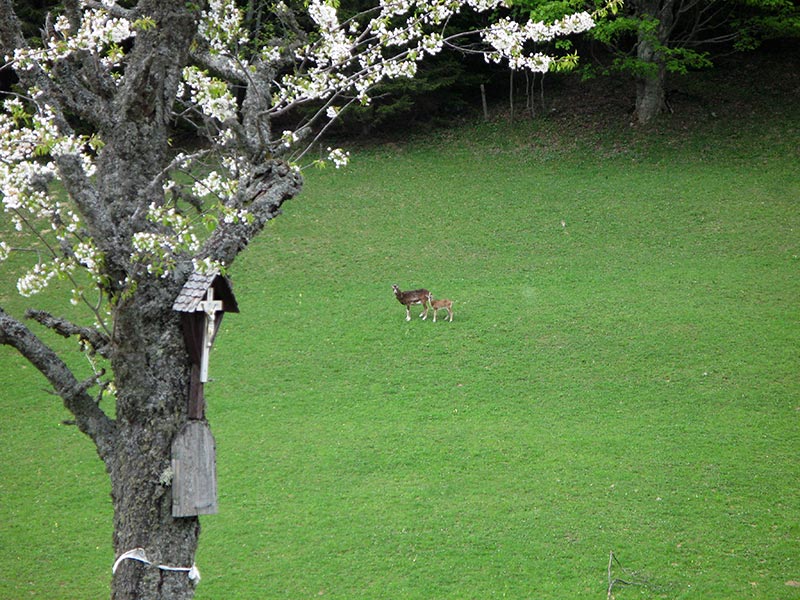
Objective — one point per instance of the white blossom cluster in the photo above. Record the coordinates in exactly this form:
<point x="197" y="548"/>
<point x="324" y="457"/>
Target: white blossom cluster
<point x="87" y="255"/>
<point x="99" y="33"/>
<point x="350" y="58"/>
<point x="221" y="189"/>
<point x="160" y="249"/>
<point x="26" y="140"/>
<point x="221" y="27"/>
<point x="216" y="185"/>
<point x="210" y="95"/>
<point x="338" y="157"/>
<point x="37" y="279"/>
<point x="508" y="39"/>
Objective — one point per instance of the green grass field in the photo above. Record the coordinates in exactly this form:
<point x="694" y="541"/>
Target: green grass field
<point x="621" y="376"/>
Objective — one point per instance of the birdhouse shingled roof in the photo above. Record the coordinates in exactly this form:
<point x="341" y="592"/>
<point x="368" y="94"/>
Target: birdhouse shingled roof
<point x="195" y="288"/>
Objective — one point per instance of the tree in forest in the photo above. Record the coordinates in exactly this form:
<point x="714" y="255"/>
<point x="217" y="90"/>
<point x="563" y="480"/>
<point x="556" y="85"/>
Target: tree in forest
<point x="96" y="105"/>
<point x="651" y="39"/>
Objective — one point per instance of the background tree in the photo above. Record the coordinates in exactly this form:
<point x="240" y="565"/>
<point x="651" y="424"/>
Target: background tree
<point x="654" y="38"/>
<point x="95" y="108"/>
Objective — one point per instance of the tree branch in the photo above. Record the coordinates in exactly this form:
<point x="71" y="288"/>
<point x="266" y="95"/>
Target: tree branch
<point x="270" y="185"/>
<point x="10" y="31"/>
<point x="222" y="65"/>
<point x="70" y="168"/>
<point x="89" y="417"/>
<point x="68" y="85"/>
<point x="98" y="341"/>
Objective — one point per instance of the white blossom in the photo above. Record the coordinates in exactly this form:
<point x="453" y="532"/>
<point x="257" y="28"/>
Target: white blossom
<point x="87" y="255"/>
<point x="338" y="157"/>
<point x="234" y="215"/>
<point x="37" y="278"/>
<point x="221" y="26"/>
<point x="289" y="138"/>
<point x="211" y="95"/>
<point x="323" y="15"/>
<point x="99" y="33"/>
<point x="432" y="44"/>
<point x="207" y="265"/>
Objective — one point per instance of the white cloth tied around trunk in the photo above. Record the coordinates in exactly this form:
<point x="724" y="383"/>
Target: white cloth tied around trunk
<point x="139" y="554"/>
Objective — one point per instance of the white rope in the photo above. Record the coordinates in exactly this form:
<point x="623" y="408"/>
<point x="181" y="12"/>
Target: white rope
<point x="139" y="554"/>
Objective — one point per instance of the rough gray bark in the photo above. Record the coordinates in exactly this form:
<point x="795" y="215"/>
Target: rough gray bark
<point x="151" y="369"/>
<point x="146" y="350"/>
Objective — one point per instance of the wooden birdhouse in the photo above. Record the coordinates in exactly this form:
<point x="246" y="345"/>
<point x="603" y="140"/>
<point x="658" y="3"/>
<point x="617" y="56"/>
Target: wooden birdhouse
<point x="202" y="302"/>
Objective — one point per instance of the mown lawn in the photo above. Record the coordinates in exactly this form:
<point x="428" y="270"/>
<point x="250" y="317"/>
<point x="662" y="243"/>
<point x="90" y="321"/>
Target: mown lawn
<point x="621" y="376"/>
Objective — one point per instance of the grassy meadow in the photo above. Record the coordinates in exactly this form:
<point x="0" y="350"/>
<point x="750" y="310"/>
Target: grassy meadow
<point x="621" y="376"/>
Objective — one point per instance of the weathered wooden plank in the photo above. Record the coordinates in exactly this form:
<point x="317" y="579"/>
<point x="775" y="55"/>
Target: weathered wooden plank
<point x="197" y="401"/>
<point x="194" y="471"/>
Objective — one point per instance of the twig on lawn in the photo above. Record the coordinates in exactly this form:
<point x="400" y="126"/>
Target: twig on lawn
<point x="612" y="581"/>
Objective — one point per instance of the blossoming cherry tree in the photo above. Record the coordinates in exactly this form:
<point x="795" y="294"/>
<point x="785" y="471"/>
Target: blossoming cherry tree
<point x="132" y="216"/>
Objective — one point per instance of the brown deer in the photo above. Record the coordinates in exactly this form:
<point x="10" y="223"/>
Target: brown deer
<point x="438" y="305"/>
<point x="413" y="297"/>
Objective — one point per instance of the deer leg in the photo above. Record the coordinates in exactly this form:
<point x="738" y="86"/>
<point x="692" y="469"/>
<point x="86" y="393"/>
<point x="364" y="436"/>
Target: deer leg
<point x="435" y="310"/>
<point x="450" y="312"/>
<point x="408" y="313"/>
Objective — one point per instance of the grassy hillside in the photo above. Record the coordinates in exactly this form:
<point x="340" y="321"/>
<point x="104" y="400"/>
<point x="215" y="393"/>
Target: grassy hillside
<point x="621" y="375"/>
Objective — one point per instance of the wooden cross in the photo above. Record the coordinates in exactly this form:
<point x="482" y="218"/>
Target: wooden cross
<point x="210" y="307"/>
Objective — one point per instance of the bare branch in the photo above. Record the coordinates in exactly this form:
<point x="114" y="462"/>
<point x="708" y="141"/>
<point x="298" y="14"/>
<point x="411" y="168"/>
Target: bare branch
<point x="98" y="341"/>
<point x="222" y="65"/>
<point x="89" y="417"/>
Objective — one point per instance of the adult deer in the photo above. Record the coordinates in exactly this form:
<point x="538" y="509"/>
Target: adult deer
<point x="410" y="297"/>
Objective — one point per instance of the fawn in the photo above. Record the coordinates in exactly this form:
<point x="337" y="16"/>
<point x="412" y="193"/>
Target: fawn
<point x="438" y="305"/>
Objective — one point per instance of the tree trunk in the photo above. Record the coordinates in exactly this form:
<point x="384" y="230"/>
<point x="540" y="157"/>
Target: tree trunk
<point x="657" y="21"/>
<point x="650" y="96"/>
<point x="152" y="371"/>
